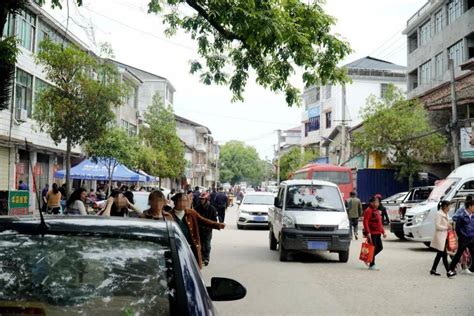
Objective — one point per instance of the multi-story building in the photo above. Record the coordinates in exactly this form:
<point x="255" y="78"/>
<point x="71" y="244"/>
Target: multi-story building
<point x="290" y="139"/>
<point x="323" y="114"/>
<point x="443" y="30"/>
<point x="27" y="153"/>
<point x="202" y="153"/>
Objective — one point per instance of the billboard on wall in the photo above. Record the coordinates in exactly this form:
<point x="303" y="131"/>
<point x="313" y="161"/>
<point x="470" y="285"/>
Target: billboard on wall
<point x="467" y="150"/>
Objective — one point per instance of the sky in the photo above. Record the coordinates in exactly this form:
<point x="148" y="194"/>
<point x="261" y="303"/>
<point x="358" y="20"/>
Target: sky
<point x="372" y="27"/>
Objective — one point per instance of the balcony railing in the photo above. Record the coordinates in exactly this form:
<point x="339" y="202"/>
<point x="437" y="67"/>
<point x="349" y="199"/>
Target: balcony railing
<point x="201" y="147"/>
<point x="419" y="13"/>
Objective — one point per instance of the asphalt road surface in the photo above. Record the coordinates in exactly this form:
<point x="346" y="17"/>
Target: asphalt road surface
<point x="320" y="285"/>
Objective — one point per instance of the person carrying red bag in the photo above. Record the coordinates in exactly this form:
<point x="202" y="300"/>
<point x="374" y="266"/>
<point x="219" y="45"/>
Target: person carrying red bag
<point x="440" y="236"/>
<point x="373" y="228"/>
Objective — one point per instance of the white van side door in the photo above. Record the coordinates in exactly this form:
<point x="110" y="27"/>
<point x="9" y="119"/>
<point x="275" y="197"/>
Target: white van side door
<point x="278" y="211"/>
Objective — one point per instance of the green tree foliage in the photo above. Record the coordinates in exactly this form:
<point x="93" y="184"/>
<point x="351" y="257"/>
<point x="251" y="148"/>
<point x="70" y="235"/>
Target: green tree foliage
<point x="271" y="37"/>
<point x="9" y="46"/>
<point x="293" y="160"/>
<point x="78" y="107"/>
<point x="393" y="126"/>
<point x="113" y="148"/>
<point x="239" y="162"/>
<point x="164" y="144"/>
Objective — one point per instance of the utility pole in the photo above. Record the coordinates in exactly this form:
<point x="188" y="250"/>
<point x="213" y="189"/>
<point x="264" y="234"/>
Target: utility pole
<point x="343" y="127"/>
<point x="454" y="117"/>
<point x="278" y="156"/>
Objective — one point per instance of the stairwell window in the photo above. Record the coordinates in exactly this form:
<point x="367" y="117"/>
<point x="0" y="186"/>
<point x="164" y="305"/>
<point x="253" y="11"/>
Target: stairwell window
<point x="328" y="119"/>
<point x="383" y="90"/>
<point x="438" y="22"/>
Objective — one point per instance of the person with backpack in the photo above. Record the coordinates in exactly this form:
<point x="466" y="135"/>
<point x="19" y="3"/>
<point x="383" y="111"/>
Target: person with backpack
<point x="465" y="232"/>
<point x="440" y="236"/>
<point x="373" y="228"/>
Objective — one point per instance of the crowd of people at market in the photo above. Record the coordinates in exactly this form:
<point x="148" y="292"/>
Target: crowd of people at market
<point x="197" y="212"/>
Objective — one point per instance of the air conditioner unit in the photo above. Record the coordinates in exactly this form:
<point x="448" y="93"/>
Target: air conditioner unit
<point x="21" y="115"/>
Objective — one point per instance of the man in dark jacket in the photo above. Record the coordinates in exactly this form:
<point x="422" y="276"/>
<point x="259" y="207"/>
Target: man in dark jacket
<point x="465" y="231"/>
<point x="206" y="210"/>
<point x="383" y="210"/>
<point x="196" y="195"/>
<point x="220" y="202"/>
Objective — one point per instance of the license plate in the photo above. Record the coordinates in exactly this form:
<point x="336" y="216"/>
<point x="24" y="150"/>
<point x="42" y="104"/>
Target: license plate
<point x="260" y="219"/>
<point x="317" y="245"/>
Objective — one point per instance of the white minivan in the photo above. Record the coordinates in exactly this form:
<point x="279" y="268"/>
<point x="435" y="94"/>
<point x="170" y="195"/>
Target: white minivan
<point x="419" y="220"/>
<point x="309" y="216"/>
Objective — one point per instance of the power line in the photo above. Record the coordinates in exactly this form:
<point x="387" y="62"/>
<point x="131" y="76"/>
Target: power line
<point x="141" y="31"/>
<point x="236" y="118"/>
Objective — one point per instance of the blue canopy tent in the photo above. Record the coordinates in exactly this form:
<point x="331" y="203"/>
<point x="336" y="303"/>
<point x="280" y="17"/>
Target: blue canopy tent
<point x="147" y="176"/>
<point x="89" y="170"/>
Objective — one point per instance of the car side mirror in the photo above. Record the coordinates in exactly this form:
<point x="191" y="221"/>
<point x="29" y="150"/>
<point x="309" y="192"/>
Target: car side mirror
<point x="277" y="202"/>
<point x="223" y="289"/>
<point x="239" y="202"/>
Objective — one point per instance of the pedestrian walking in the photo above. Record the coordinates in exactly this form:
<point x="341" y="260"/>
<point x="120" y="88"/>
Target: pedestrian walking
<point x="196" y="195"/>
<point x="373" y="228"/>
<point x="465" y="232"/>
<point x="383" y="210"/>
<point x="190" y="221"/>
<point x="157" y="203"/>
<point x="22" y="186"/>
<point x="53" y="200"/>
<point x="213" y="197"/>
<point x="75" y="205"/>
<point x="221" y="204"/>
<point x="117" y="205"/>
<point x="354" y="212"/>
<point x="438" y="242"/>
<point x="462" y="209"/>
<point x="44" y="192"/>
<point x="206" y="210"/>
<point x="190" y="195"/>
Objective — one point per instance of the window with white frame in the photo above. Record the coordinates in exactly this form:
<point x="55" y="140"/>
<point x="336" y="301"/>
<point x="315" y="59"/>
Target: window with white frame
<point x="455" y="10"/>
<point x="26" y="29"/>
<point x="456" y="53"/>
<point x="425" y="73"/>
<point x="40" y="86"/>
<point x="439" y="69"/>
<point x="438" y="21"/>
<point x="9" y="29"/>
<point x="23" y="91"/>
<point x="130" y="128"/>
<point x="425" y="32"/>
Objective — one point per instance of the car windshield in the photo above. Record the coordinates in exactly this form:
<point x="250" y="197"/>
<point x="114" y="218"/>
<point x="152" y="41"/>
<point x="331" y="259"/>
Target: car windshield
<point x="420" y="195"/>
<point x="442" y="188"/>
<point x="313" y="198"/>
<point x="395" y="197"/>
<point x="64" y="275"/>
<point x="259" y="199"/>
<point x="337" y="177"/>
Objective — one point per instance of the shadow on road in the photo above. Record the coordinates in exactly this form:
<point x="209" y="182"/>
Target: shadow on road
<point x="304" y="257"/>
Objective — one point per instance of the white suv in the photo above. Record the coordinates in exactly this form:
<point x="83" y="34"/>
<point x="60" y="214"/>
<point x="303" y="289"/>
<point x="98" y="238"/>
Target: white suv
<point x="253" y="211"/>
<point x="419" y="220"/>
<point x="309" y="216"/>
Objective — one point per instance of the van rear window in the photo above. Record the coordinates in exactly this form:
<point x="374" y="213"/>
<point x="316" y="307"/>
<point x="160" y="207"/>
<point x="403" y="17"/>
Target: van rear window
<point x="336" y="177"/>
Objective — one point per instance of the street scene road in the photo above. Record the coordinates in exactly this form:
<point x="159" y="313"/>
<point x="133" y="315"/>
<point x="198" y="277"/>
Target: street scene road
<point x="320" y="285"/>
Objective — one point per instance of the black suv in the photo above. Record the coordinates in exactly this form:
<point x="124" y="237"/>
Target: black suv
<point x="102" y="266"/>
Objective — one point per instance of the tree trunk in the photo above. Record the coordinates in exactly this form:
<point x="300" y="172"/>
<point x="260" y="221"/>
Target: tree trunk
<point x="110" y="168"/>
<point x="159" y="183"/>
<point x="68" y="167"/>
